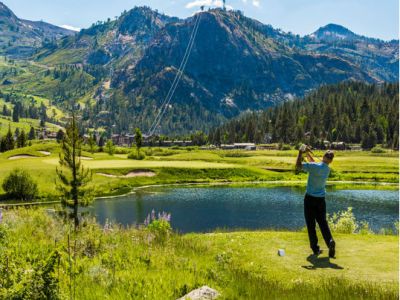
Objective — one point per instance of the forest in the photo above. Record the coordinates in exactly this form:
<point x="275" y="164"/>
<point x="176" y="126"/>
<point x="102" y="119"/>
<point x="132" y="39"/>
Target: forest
<point x="350" y="112"/>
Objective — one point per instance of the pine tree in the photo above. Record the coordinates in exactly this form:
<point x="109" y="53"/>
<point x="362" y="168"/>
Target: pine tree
<point x="101" y="143"/>
<point x="60" y="135"/>
<point x="32" y="134"/>
<point x="9" y="140"/>
<point x="110" y="148"/>
<point x="21" y="140"/>
<point x="15" y="115"/>
<point x="73" y="177"/>
<point x="92" y="143"/>
<point x="138" y="139"/>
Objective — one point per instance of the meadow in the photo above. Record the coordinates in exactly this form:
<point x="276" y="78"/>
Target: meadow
<point x="41" y="257"/>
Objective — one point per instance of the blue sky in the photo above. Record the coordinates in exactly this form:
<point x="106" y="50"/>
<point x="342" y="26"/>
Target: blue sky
<point x="374" y="18"/>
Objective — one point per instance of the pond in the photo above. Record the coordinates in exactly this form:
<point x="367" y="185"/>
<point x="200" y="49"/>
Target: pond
<point x="203" y="209"/>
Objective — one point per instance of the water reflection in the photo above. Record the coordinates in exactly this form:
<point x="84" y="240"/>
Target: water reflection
<point x="208" y="208"/>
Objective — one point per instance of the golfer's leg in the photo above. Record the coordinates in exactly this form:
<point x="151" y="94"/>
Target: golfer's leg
<point x="323" y="224"/>
<point x="309" y="214"/>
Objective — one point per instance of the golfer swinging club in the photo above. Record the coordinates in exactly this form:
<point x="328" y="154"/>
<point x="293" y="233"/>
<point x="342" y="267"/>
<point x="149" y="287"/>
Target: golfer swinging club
<point x="314" y="200"/>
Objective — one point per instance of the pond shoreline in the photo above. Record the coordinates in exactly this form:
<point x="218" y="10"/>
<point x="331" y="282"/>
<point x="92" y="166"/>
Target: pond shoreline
<point x="276" y="183"/>
<point x="348" y="185"/>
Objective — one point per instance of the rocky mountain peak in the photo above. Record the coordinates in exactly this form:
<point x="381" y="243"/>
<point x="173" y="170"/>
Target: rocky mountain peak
<point x="333" y="32"/>
<point x="6" y="13"/>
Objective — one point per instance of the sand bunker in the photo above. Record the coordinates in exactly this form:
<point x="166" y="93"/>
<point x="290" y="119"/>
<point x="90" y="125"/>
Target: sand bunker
<point x="44" y="152"/>
<point x="22" y="156"/>
<point x="86" y="158"/>
<point x="130" y="174"/>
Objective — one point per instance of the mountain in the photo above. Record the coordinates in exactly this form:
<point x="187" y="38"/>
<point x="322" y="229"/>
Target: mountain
<point x="121" y="39"/>
<point x="20" y="38"/>
<point x="236" y="64"/>
<point x="380" y="58"/>
<point x="120" y="71"/>
<point x="333" y="32"/>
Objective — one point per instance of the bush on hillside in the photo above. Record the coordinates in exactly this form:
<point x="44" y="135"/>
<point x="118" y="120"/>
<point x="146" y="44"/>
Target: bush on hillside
<point x="19" y="185"/>
<point x="378" y="149"/>
<point x="136" y="155"/>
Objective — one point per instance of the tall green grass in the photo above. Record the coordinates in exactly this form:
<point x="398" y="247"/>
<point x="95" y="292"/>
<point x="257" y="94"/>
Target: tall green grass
<point x="40" y="253"/>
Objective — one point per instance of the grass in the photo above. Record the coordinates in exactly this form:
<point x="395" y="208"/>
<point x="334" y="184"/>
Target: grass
<point x="351" y="170"/>
<point x="118" y="263"/>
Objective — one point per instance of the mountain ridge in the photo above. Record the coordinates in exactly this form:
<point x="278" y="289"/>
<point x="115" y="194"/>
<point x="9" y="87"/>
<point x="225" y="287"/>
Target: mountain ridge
<point x="20" y="38"/>
<point x="236" y="64"/>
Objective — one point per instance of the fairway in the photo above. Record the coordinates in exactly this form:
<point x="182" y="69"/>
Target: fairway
<point x="368" y="258"/>
<point x="202" y="166"/>
<point x="111" y="164"/>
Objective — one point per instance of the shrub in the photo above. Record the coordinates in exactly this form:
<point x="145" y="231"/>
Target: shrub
<point x="160" y="152"/>
<point x="234" y="153"/>
<point x="378" y="149"/>
<point x="135" y="155"/>
<point x="343" y="222"/>
<point x="364" y="228"/>
<point x="159" y="225"/>
<point x="20" y="185"/>
<point x="286" y="147"/>
<point x="42" y="283"/>
<point x="110" y="148"/>
<point x="121" y="150"/>
<point x="148" y="151"/>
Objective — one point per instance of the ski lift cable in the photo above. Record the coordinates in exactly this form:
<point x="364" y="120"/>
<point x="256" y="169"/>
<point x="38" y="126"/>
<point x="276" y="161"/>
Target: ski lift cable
<point x="188" y="49"/>
<point x="179" y="76"/>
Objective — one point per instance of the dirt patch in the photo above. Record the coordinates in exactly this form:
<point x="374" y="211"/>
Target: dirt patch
<point x="130" y="174"/>
<point x="107" y="84"/>
<point x="19" y="156"/>
<point x="44" y="152"/>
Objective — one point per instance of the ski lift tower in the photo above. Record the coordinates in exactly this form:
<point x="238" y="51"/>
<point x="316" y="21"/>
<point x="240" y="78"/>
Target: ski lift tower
<point x="224" y="6"/>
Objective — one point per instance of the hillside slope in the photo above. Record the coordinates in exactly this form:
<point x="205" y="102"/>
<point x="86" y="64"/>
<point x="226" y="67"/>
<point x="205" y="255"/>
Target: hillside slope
<point x="21" y="38"/>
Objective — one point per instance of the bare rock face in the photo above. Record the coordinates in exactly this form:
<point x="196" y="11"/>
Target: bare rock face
<point x="202" y="293"/>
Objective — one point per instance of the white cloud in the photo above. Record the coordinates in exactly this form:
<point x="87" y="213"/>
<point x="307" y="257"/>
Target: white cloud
<point x="198" y="3"/>
<point x="256" y="3"/>
<point x="70" y="27"/>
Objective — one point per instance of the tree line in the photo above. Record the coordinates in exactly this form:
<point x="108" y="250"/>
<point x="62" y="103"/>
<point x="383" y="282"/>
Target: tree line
<point x="350" y="112"/>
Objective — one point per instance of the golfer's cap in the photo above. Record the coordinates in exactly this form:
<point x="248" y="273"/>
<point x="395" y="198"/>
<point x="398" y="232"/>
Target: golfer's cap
<point x="329" y="154"/>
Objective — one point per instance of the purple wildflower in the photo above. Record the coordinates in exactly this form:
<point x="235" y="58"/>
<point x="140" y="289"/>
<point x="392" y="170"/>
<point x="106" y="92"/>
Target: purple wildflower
<point x="160" y="216"/>
<point x="147" y="220"/>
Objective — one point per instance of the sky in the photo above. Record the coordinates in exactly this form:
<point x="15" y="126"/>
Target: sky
<point x="372" y="18"/>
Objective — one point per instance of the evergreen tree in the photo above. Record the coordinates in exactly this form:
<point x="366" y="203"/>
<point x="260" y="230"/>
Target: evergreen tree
<point x="9" y="140"/>
<point x="101" y="143"/>
<point x="6" y="111"/>
<point x="110" y="148"/>
<point x="15" y="115"/>
<point x="16" y="133"/>
<point x="73" y="177"/>
<point x="32" y="134"/>
<point x="138" y="139"/>
<point x="92" y="143"/>
<point x="60" y="135"/>
<point x="21" y="140"/>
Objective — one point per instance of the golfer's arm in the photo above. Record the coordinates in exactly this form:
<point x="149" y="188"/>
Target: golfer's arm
<point x="298" y="162"/>
<point x="310" y="158"/>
